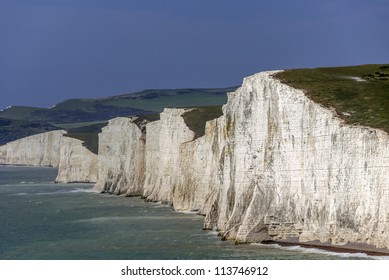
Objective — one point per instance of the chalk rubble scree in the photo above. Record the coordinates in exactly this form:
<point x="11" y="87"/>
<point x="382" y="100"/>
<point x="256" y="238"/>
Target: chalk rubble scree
<point x="275" y="165"/>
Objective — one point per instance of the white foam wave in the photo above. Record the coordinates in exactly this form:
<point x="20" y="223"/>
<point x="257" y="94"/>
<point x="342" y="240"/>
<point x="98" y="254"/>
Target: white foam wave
<point x="380" y="257"/>
<point x="82" y="191"/>
<point x="160" y="204"/>
<point x="24" y="182"/>
<point x="319" y="251"/>
<point x="189" y="212"/>
<point x="44" y="193"/>
<point x="212" y="233"/>
<point x="65" y="192"/>
<point x="98" y="220"/>
<point x="102" y="219"/>
<point x="23" y="193"/>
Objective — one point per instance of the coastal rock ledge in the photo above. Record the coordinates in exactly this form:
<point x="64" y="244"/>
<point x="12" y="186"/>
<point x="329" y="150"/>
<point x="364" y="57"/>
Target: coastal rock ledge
<point x="75" y="163"/>
<point x="274" y="166"/>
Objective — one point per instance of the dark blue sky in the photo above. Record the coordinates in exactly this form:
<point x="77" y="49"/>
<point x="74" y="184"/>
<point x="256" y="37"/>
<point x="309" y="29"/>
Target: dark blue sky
<point x="52" y="50"/>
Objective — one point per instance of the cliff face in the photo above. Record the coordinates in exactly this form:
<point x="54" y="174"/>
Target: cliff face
<point x="290" y="168"/>
<point x="76" y="163"/>
<point x="37" y="150"/>
<point x="163" y="165"/>
<point x="121" y="158"/>
<point x="199" y="169"/>
<point x="162" y="154"/>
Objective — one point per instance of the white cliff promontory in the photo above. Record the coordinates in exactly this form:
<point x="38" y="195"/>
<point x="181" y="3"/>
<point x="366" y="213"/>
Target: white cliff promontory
<point x="36" y="150"/>
<point x="77" y="164"/>
<point x="291" y="168"/>
<point x="199" y="169"/>
<point x="121" y="158"/>
<point x="162" y="154"/>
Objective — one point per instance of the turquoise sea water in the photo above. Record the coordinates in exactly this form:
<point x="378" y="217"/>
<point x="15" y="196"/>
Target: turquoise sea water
<point x="43" y="220"/>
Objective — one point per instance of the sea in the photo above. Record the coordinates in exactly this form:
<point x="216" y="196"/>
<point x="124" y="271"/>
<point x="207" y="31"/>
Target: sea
<point x="43" y="220"/>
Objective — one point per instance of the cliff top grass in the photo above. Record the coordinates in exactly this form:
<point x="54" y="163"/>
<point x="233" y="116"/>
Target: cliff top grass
<point x="159" y="99"/>
<point x="88" y="134"/>
<point x="197" y="118"/>
<point x="11" y="130"/>
<point x="142" y="120"/>
<point x="359" y="94"/>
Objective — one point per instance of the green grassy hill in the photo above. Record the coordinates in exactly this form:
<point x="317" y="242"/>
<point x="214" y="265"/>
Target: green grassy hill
<point x="197" y="118"/>
<point x="359" y="94"/>
<point x="101" y="109"/>
<point x="83" y="118"/>
<point x="11" y="130"/>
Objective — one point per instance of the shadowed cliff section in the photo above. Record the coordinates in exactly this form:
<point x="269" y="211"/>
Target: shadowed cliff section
<point x="87" y="134"/>
<point x="11" y="130"/>
<point x="197" y="118"/>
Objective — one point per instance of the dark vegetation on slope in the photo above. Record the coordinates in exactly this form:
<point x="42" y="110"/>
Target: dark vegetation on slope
<point x="140" y="103"/>
<point x="197" y="118"/>
<point x="11" y="130"/>
<point x="70" y="111"/>
<point x="88" y="134"/>
<point x="20" y="121"/>
<point x="141" y="121"/>
<point x="359" y="94"/>
<point x="157" y="100"/>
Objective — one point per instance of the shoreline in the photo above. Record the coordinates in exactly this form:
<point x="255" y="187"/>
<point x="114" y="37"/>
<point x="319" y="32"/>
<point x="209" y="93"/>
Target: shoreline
<point x="352" y="248"/>
<point x="26" y="165"/>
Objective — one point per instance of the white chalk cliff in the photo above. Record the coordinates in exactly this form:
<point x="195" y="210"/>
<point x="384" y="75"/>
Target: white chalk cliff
<point x="36" y="150"/>
<point x="275" y="165"/>
<point x="200" y="169"/>
<point x="291" y="168"/>
<point x="75" y="163"/>
<point x="121" y="158"/>
<point x="162" y="154"/>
